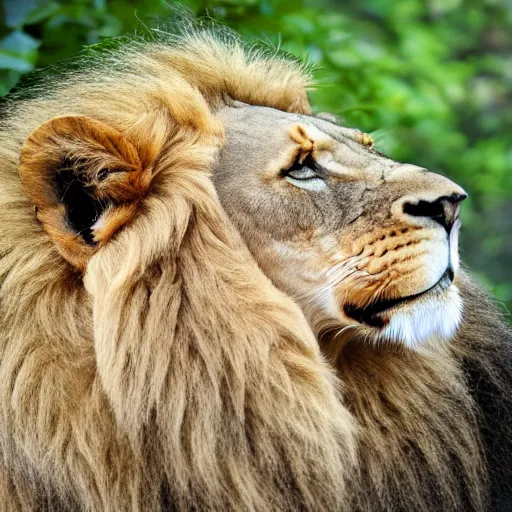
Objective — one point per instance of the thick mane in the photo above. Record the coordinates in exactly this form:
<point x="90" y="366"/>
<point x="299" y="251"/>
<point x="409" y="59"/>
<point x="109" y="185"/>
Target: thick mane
<point x="483" y="346"/>
<point x="174" y="374"/>
<point x="419" y="445"/>
<point x="189" y="71"/>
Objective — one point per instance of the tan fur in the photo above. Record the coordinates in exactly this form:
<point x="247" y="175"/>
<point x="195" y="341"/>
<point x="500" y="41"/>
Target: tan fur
<point x="175" y="375"/>
<point x="419" y="445"/>
<point x="350" y="243"/>
<point x="345" y="241"/>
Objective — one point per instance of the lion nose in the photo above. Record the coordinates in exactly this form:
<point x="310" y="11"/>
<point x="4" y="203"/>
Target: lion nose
<point x="444" y="210"/>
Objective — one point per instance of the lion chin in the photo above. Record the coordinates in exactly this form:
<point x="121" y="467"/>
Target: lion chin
<point x="433" y="317"/>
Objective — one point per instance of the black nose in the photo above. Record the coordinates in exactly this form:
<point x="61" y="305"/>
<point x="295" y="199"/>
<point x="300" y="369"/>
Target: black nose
<point x="444" y="209"/>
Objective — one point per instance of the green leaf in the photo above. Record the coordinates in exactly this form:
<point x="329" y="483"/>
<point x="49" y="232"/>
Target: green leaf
<point x="19" y="43"/>
<point x="16" y="63"/>
<point x="17" y="11"/>
<point x="43" y="12"/>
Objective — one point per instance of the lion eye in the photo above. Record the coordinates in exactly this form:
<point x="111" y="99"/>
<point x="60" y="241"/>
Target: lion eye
<point x="302" y="174"/>
<point x="304" y="169"/>
<point x="305" y="174"/>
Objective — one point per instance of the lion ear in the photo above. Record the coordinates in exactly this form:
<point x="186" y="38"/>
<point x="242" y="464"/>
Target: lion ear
<point x="85" y="179"/>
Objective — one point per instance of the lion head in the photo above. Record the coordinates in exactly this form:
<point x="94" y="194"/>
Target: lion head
<point x="359" y="240"/>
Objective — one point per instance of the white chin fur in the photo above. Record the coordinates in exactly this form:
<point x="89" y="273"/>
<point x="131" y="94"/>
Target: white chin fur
<point x="435" y="319"/>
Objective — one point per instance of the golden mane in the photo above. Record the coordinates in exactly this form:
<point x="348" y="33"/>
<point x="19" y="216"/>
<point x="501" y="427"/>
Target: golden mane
<point x="174" y="375"/>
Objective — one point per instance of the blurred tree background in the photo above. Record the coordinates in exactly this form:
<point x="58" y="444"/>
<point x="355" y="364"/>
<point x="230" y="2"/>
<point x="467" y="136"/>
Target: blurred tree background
<point x="430" y="79"/>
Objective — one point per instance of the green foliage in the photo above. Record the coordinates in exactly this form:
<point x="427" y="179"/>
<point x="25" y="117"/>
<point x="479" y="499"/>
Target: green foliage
<point x="431" y="79"/>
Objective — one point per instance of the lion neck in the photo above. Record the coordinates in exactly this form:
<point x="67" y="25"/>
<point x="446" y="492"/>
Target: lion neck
<point x="417" y="441"/>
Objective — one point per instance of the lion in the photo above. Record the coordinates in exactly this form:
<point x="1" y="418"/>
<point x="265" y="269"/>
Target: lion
<point x="212" y="299"/>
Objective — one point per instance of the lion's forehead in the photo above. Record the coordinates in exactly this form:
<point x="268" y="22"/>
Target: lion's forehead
<point x="251" y="126"/>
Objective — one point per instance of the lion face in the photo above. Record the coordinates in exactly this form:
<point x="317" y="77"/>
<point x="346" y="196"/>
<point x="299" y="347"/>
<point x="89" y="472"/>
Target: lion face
<point x="359" y="240"/>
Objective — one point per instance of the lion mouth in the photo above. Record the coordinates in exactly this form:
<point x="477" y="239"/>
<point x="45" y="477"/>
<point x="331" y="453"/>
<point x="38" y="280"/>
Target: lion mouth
<point x="371" y="314"/>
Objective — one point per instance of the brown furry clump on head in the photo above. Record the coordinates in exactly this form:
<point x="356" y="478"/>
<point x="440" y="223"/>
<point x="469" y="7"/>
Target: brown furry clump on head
<point x="171" y="374"/>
